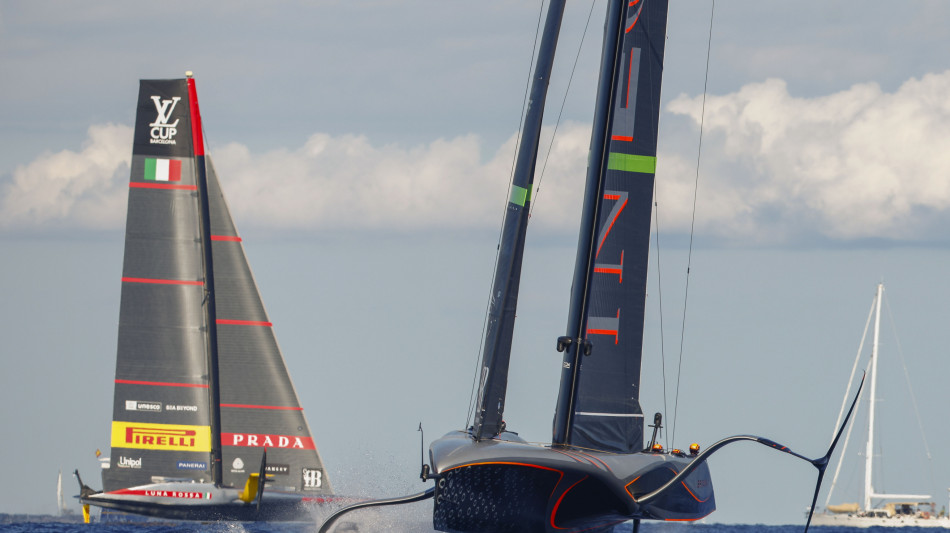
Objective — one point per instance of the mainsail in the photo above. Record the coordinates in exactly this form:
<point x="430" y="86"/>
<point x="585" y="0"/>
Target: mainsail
<point x="201" y="387"/>
<point x="599" y="404"/>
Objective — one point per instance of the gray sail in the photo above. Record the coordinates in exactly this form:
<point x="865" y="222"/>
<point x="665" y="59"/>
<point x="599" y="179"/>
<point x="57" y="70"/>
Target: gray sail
<point x="259" y="406"/>
<point x="603" y="409"/>
<point x="201" y="387"/>
<point x="161" y="413"/>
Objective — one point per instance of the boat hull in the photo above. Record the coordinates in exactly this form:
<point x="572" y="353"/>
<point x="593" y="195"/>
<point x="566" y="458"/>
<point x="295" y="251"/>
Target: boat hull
<point x="506" y="484"/>
<point x="205" y="502"/>
<point x="854" y="520"/>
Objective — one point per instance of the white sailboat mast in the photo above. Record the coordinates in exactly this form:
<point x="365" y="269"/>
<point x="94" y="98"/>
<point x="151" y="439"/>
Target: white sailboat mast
<point x="869" y="454"/>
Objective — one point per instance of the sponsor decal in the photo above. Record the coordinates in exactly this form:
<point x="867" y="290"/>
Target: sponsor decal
<point x="162" y="131"/>
<point x="277" y="469"/>
<point x="312" y="478"/>
<point x="192" y="465"/>
<point x="185" y="495"/>
<point x="128" y="462"/>
<point x="171" y="437"/>
<point x="186" y="408"/>
<point x="267" y="441"/>
<point x="134" y="405"/>
<point x="162" y="169"/>
<point x="237" y="466"/>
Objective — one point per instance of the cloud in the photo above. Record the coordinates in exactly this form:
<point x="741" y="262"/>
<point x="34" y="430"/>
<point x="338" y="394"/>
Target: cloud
<point x="347" y="182"/>
<point x="63" y="190"/>
<point x="857" y="164"/>
<point x="854" y="165"/>
<point x="329" y="182"/>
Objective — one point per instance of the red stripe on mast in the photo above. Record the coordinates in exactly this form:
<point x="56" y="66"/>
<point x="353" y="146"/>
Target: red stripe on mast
<point x="196" y="138"/>
<point x="225" y="238"/>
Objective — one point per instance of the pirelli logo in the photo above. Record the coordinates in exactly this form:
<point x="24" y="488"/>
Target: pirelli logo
<point x="161" y="437"/>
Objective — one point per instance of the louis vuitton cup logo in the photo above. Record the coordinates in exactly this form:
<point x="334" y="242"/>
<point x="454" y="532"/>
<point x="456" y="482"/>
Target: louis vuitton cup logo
<point x="163" y="132"/>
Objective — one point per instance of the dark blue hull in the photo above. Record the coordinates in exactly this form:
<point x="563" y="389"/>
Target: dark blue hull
<point x="506" y="485"/>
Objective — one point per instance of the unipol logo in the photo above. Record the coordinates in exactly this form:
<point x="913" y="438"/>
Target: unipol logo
<point x="312" y="478"/>
<point x="163" y="131"/>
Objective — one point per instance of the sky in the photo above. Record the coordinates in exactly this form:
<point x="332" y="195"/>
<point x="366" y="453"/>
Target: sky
<point x="365" y="148"/>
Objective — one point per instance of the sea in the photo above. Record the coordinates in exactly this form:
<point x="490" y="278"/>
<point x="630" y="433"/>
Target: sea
<point x="37" y="524"/>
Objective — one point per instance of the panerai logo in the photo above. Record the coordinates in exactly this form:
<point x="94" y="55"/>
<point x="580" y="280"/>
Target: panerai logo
<point x="162" y="131"/>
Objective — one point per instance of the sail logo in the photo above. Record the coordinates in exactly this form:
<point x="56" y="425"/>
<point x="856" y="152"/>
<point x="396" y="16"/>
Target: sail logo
<point x="161" y="437"/>
<point x="267" y="441"/>
<point x="192" y="465"/>
<point x="162" y="131"/>
<point x="128" y="462"/>
<point x="312" y="478"/>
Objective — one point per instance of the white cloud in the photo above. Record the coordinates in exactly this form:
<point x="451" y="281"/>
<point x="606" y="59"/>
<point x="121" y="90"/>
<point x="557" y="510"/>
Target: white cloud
<point x="859" y="163"/>
<point x="856" y="164"/>
<point x="329" y="182"/>
<point x="85" y="189"/>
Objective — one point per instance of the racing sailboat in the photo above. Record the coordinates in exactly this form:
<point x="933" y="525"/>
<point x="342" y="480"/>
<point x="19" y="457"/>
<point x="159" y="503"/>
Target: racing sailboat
<point x="597" y="470"/>
<point x="204" y="408"/>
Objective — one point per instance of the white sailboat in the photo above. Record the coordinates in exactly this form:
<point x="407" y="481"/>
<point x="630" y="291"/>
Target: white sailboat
<point x="897" y="510"/>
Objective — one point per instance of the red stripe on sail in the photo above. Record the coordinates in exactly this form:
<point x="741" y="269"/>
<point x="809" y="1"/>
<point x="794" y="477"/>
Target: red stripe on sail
<point x="621" y="138"/>
<point x="225" y="238"/>
<point x="142" y="185"/>
<point x="163" y="281"/>
<point x="276" y="407"/>
<point x="196" y="138"/>
<point x="242" y="322"/>
<point x="162" y="383"/>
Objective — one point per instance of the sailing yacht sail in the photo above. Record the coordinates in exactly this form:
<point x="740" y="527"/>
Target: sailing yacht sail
<point x="204" y="405"/>
<point x="596" y="472"/>
<point x="903" y="510"/>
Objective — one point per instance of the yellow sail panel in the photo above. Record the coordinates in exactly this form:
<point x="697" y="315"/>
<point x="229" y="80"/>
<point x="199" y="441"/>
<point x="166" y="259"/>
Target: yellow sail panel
<point x="161" y="437"/>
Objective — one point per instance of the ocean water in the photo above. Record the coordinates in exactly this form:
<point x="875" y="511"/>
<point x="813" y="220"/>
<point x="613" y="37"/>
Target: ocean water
<point x="25" y="524"/>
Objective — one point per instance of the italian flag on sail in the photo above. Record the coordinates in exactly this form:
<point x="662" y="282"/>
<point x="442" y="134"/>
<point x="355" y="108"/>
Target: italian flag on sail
<point x="162" y="169"/>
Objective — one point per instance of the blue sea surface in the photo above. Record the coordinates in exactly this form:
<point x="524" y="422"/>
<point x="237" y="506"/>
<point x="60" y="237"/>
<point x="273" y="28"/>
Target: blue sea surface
<point x="27" y="524"/>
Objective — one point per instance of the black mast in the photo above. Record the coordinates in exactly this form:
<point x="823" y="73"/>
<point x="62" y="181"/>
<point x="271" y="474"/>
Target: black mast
<point x="201" y="179"/>
<point x="497" y="351"/>
<point x="574" y="344"/>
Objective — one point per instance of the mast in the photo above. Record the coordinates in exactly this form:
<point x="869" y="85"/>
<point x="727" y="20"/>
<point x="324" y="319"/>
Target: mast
<point x="493" y="381"/>
<point x="201" y="179"/>
<point x="584" y="262"/>
<point x="869" y="453"/>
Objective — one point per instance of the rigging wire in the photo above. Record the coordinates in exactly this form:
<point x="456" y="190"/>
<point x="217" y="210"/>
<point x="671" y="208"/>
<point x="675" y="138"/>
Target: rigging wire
<point x="511" y="177"/>
<point x="689" y="257"/>
<point x="557" y="123"/>
<point x="913" y="397"/>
